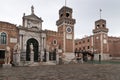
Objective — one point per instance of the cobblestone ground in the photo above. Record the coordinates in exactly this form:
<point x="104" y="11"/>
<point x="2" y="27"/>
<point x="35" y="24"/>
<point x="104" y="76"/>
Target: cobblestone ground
<point x="63" y="72"/>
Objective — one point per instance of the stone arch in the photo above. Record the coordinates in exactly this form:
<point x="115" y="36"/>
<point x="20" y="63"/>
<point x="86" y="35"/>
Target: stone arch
<point x="35" y="49"/>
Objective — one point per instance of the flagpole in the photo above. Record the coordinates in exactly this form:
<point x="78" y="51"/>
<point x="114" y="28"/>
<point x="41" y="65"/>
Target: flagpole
<point x="65" y="2"/>
<point x="100" y="13"/>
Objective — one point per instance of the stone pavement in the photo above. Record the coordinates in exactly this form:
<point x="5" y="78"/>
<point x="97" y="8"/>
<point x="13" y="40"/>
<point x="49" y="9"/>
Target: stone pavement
<point x="62" y="72"/>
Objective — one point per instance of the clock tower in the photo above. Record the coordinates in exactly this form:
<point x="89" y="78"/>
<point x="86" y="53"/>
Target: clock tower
<point x="65" y="25"/>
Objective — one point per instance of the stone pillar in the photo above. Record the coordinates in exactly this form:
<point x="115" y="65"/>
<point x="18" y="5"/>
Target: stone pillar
<point x="39" y="58"/>
<point x="42" y="56"/>
<point x="21" y="41"/>
<point x="101" y="51"/>
<point x="47" y="56"/>
<point x="18" y="58"/>
<point x="57" y="58"/>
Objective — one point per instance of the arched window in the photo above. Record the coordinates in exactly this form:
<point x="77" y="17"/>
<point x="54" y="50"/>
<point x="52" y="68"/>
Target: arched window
<point x="3" y="38"/>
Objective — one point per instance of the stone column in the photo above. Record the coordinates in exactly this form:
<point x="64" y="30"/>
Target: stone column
<point x="57" y="58"/>
<point x="42" y="55"/>
<point x="21" y="41"/>
<point x="18" y="58"/>
<point x="101" y="52"/>
<point x="47" y="56"/>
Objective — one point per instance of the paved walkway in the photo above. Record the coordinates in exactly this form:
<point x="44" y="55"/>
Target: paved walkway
<point x="63" y="72"/>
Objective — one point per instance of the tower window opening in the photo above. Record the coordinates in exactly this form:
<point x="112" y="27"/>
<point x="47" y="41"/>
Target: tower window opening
<point x="67" y="14"/>
<point x="61" y="15"/>
<point x="103" y="25"/>
<point x="98" y="25"/>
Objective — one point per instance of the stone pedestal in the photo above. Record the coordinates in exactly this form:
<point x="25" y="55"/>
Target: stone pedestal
<point x="16" y="59"/>
<point x="7" y="65"/>
<point x="32" y="56"/>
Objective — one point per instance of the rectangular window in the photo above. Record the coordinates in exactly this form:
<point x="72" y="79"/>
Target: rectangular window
<point x="88" y="47"/>
<point x="83" y="41"/>
<point x="79" y="42"/>
<point x="76" y="44"/>
<point x="88" y="40"/>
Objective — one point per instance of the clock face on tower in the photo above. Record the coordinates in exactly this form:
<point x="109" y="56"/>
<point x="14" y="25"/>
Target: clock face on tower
<point x="69" y="29"/>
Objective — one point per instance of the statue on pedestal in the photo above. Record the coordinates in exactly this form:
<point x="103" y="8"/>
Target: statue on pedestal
<point x="7" y="55"/>
<point x="31" y="53"/>
<point x="16" y="53"/>
<point x="31" y="47"/>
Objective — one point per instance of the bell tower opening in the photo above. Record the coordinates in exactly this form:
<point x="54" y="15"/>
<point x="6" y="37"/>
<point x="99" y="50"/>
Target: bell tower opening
<point x="100" y="26"/>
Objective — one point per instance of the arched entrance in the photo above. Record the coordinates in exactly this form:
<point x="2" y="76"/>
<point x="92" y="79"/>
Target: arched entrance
<point x="35" y="49"/>
<point x="52" y="55"/>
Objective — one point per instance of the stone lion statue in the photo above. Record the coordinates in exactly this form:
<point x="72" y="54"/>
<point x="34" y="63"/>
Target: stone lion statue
<point x="7" y="55"/>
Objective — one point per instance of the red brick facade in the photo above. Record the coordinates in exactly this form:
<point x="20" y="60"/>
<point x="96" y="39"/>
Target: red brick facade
<point x="114" y="46"/>
<point x="100" y="41"/>
<point x="53" y="40"/>
<point x="11" y="32"/>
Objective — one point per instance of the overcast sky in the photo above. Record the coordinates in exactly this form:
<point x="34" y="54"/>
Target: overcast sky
<point x="86" y="12"/>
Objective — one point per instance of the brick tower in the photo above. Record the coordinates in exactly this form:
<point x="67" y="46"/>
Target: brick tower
<point x="65" y="25"/>
<point x="101" y="38"/>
